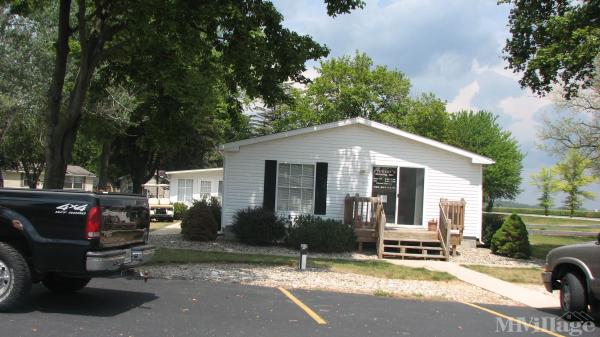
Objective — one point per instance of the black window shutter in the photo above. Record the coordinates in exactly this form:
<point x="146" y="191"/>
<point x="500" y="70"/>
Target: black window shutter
<point x="321" y="189"/>
<point x="270" y="182"/>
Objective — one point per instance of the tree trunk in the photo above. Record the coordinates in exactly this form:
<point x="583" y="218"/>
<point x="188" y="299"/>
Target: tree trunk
<point x="12" y="115"/>
<point x="490" y="205"/>
<point x="1" y="179"/>
<point x="104" y="161"/>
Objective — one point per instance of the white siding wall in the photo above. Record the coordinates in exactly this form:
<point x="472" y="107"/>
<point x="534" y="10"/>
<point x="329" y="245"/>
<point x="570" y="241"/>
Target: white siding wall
<point x="197" y="177"/>
<point x="351" y="152"/>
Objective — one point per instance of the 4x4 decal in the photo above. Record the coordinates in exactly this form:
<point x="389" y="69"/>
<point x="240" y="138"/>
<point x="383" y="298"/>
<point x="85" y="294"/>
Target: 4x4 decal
<point x="71" y="209"/>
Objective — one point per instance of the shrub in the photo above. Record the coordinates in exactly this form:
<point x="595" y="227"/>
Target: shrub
<point x="258" y="226"/>
<point x="215" y="208"/>
<point x="179" y="209"/>
<point x="199" y="223"/>
<point x="491" y="223"/>
<point x="512" y="239"/>
<point x="321" y="235"/>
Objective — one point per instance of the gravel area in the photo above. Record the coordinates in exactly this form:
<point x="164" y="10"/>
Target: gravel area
<point x="484" y="256"/>
<point x="318" y="279"/>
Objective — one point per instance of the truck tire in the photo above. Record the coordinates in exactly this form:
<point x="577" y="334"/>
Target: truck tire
<point x="572" y="296"/>
<point x="15" y="278"/>
<point x="65" y="284"/>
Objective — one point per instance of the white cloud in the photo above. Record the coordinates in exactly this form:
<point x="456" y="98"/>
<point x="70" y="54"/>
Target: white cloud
<point x="522" y="110"/>
<point x="462" y="101"/>
<point x="499" y="69"/>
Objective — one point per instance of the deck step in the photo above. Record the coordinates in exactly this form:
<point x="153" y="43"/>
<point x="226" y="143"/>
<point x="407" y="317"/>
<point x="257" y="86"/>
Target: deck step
<point x="413" y="240"/>
<point x="426" y="256"/>
<point x="414" y="247"/>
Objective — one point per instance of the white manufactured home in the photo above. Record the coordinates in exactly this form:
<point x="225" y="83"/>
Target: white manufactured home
<point x="314" y="170"/>
<point x="189" y="185"/>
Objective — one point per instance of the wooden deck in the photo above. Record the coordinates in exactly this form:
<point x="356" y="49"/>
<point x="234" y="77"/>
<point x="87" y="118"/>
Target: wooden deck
<point x="366" y="216"/>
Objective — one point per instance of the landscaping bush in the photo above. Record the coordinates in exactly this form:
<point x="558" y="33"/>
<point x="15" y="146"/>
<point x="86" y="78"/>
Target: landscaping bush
<point x="491" y="223"/>
<point x="199" y="223"/>
<point x="179" y="209"/>
<point x="258" y="226"/>
<point x="321" y="235"/>
<point x="215" y="208"/>
<point x="512" y="239"/>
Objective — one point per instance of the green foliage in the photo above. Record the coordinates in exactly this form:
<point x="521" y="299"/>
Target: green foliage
<point x="539" y="211"/>
<point x="480" y="132"/>
<point x="258" y="226"/>
<point x="354" y="87"/>
<point x="215" y="208"/>
<point x="491" y="223"/>
<point x="573" y="178"/>
<point x="199" y="223"/>
<point x="512" y="239"/>
<point x="554" y="43"/>
<point x="545" y="182"/>
<point x="321" y="235"/>
<point x="179" y="209"/>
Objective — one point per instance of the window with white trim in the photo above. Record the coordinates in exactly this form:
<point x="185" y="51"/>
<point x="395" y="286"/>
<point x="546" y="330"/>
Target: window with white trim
<point x="205" y="189"/>
<point x="295" y="187"/>
<point x="73" y="183"/>
<point x="185" y="190"/>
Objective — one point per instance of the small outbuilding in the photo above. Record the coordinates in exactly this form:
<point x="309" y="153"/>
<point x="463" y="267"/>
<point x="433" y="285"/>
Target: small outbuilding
<point x="189" y="185"/>
<point x="344" y="170"/>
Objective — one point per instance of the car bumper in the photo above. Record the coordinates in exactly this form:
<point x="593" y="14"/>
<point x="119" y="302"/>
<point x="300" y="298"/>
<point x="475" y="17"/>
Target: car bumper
<point x="547" y="279"/>
<point x="161" y="217"/>
<point x="118" y="259"/>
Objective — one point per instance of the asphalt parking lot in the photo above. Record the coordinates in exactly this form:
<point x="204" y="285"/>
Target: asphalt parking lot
<point x="119" y="307"/>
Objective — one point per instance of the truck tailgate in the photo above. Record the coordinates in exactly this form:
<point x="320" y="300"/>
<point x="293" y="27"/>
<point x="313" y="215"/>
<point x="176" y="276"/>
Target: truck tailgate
<point x="125" y="219"/>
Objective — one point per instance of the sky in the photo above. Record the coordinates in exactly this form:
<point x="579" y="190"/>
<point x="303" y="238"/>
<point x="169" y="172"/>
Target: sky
<point x="452" y="48"/>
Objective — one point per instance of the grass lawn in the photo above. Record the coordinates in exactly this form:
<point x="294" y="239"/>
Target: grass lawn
<point x="159" y="225"/>
<point x="374" y="268"/>
<point x="515" y="275"/>
<point x="584" y="229"/>
<point x="557" y="221"/>
<point x="542" y="244"/>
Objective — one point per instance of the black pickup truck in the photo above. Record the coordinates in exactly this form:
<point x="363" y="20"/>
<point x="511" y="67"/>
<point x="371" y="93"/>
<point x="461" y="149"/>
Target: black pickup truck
<point x="64" y="238"/>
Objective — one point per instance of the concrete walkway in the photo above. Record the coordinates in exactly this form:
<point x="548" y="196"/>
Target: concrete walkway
<point x="529" y="297"/>
<point x="175" y="228"/>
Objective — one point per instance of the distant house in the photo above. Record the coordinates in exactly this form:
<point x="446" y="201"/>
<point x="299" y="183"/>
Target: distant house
<point x="314" y="170"/>
<point x="189" y="185"/>
<point x="76" y="178"/>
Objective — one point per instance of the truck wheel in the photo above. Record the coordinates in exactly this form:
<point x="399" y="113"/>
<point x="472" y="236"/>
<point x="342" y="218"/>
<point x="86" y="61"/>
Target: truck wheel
<point x="572" y="296"/>
<point x="64" y="284"/>
<point x="15" y="277"/>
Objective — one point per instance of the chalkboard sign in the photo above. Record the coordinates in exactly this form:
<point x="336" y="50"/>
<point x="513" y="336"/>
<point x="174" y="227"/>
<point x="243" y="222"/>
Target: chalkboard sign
<point x="384" y="178"/>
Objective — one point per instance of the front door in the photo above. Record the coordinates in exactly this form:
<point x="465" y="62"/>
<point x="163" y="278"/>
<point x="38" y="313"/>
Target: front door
<point x="385" y="181"/>
<point x="410" y="196"/>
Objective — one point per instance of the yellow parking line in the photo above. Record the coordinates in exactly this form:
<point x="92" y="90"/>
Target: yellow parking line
<point x="551" y="333"/>
<point x="303" y="306"/>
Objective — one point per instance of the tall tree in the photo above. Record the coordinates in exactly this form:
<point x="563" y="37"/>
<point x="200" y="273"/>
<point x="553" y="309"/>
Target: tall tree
<point x="580" y="128"/>
<point x="572" y="171"/>
<point x="553" y="43"/>
<point x="480" y="132"/>
<point x="354" y="87"/>
<point x="546" y="184"/>
<point x="244" y="37"/>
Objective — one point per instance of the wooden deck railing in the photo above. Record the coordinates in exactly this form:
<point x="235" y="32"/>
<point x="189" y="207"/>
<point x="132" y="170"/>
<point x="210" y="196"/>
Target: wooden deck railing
<point x="360" y="211"/>
<point x="452" y="223"/>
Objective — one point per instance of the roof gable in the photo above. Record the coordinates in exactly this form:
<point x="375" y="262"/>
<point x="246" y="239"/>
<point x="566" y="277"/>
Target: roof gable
<point x="475" y="158"/>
